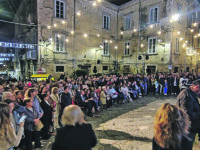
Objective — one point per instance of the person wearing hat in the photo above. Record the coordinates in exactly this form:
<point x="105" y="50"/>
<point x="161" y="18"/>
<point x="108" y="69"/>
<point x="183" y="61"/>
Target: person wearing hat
<point x="188" y="101"/>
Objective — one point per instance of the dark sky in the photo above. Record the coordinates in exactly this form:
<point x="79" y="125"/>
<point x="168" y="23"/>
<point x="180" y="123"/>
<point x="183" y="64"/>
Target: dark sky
<point x="118" y="2"/>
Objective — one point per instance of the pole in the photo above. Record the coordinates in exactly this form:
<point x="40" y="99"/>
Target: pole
<point x="117" y="40"/>
<point x="74" y="21"/>
<point x="138" y="49"/>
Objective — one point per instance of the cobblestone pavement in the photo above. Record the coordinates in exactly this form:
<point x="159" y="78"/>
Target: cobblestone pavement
<point x="128" y="126"/>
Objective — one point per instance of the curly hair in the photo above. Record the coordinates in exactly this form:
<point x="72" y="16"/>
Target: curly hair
<point x="170" y="126"/>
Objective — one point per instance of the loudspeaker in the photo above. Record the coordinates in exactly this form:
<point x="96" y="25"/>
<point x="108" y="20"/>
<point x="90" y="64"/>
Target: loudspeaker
<point x="98" y="61"/>
<point x="139" y="57"/>
<point x="95" y="69"/>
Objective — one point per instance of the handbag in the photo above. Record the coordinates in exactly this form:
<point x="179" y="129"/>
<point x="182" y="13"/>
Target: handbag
<point x="39" y="126"/>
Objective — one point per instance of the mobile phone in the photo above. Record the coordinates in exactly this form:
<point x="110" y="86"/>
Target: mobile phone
<point x="22" y="119"/>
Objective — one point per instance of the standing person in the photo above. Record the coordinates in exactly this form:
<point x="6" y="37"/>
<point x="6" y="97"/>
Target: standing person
<point x="47" y="117"/>
<point x="32" y="118"/>
<point x="54" y="96"/>
<point x="188" y="100"/>
<point x="171" y="129"/>
<point x="65" y="100"/>
<point x="176" y="85"/>
<point x="8" y="136"/>
<point x="1" y="92"/>
<point x="165" y="87"/>
<point x="76" y="133"/>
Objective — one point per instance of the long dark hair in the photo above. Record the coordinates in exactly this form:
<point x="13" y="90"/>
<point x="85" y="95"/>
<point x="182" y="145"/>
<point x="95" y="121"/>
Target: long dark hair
<point x="4" y="119"/>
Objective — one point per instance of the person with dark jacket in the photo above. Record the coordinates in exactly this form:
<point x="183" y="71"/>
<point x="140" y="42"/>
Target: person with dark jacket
<point x="65" y="100"/>
<point x="188" y="100"/>
<point x="47" y="117"/>
<point x="76" y="133"/>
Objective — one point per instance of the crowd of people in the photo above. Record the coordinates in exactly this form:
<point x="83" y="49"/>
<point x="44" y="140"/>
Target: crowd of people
<point x="44" y="103"/>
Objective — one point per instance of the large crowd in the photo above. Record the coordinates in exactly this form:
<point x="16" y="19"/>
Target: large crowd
<point x="43" y="102"/>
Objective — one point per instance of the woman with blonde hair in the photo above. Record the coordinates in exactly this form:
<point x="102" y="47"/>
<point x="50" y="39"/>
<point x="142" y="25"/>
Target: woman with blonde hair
<point x="76" y="134"/>
<point x="171" y="128"/>
<point x="55" y="98"/>
<point x="8" y="137"/>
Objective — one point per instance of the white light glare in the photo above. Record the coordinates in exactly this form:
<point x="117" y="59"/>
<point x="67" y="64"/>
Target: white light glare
<point x="175" y="17"/>
<point x="94" y="3"/>
<point x="78" y="13"/>
<point x="85" y="35"/>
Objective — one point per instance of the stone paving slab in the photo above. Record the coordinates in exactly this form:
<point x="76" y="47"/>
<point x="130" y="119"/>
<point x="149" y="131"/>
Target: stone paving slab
<point x="128" y="126"/>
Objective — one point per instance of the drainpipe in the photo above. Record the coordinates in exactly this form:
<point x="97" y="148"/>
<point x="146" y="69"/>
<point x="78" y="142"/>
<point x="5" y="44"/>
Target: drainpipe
<point x="138" y="49"/>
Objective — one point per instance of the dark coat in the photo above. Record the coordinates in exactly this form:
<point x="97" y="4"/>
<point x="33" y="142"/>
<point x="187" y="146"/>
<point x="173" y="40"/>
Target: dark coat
<point x="188" y="101"/>
<point x="79" y="137"/>
<point x="47" y="116"/>
<point x="183" y="146"/>
<point x="66" y="100"/>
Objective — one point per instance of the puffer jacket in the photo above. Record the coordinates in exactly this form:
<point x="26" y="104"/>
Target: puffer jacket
<point x="188" y="101"/>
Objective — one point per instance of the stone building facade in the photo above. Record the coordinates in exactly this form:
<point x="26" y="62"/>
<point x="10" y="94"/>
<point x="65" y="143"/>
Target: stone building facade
<point x="139" y="36"/>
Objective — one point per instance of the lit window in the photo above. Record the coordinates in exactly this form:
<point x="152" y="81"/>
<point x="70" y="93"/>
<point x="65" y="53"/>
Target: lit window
<point x="153" y="15"/>
<point x="60" y="9"/>
<point x="106" y="49"/>
<point x="59" y="43"/>
<point x="152" y="45"/>
<point x="127" y="22"/>
<point x="126" y="48"/>
<point x="106" y="22"/>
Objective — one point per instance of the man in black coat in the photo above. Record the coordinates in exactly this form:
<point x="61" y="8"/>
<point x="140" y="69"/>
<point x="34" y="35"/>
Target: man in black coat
<point x="188" y="101"/>
<point x="65" y="100"/>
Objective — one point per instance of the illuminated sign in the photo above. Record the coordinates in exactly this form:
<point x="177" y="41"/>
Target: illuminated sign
<point x="6" y="55"/>
<point x="4" y="59"/>
<point x="17" y="45"/>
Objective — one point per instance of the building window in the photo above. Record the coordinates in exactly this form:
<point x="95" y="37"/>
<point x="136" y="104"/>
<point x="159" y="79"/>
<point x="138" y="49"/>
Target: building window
<point x="106" y="48"/>
<point x="194" y="17"/>
<point x="198" y="43"/>
<point x="59" y="43"/>
<point x="177" y="45"/>
<point x="179" y="7"/>
<point x="126" y="68"/>
<point x="152" y="45"/>
<point x="60" y="9"/>
<point x="187" y="69"/>
<point x="127" y="22"/>
<point x="59" y="68"/>
<point x="126" y="48"/>
<point x="105" y="68"/>
<point x="176" y="69"/>
<point x="106" y="22"/>
<point x="153" y="15"/>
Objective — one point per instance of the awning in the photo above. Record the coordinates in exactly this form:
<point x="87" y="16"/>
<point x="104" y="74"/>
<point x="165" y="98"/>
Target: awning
<point x="40" y="75"/>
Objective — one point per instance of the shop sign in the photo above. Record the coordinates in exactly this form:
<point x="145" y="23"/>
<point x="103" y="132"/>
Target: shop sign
<point x="17" y="45"/>
<point x="4" y="59"/>
<point x="41" y="70"/>
<point x="6" y="55"/>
